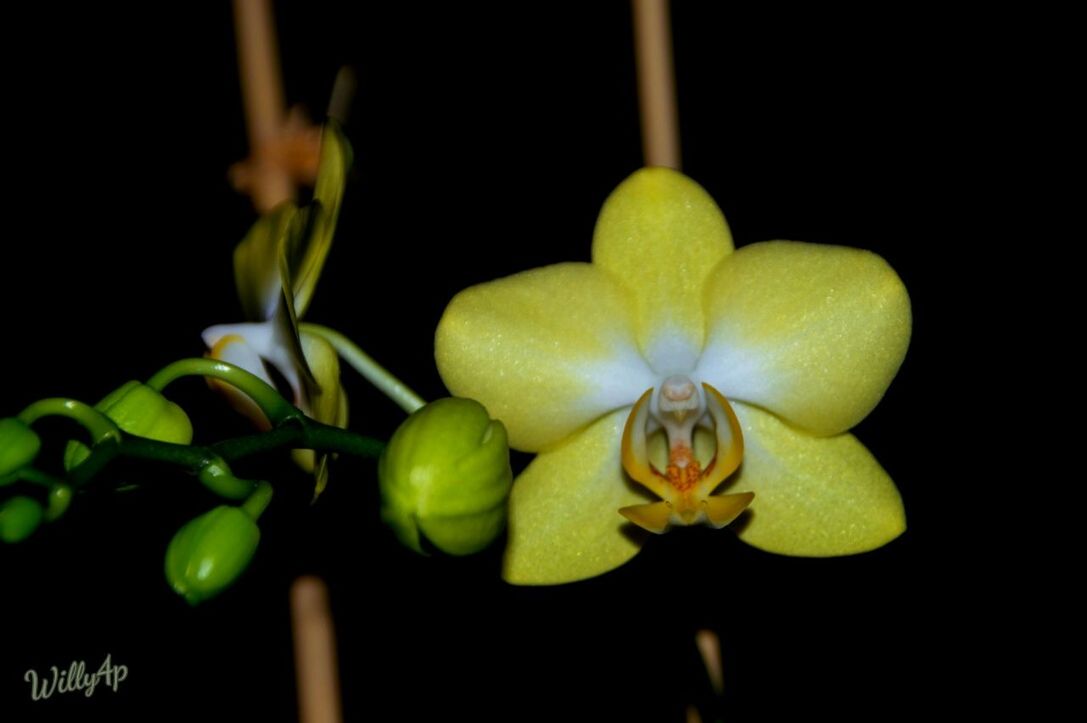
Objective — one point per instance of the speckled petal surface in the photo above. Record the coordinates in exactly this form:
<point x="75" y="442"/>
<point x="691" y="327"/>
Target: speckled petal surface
<point x="661" y="235"/>
<point x="546" y="351"/>
<point x="564" y="521"/>
<point x="814" y="496"/>
<point x="810" y="332"/>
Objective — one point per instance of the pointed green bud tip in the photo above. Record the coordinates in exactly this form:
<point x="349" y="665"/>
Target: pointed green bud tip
<point x="60" y="497"/>
<point x="445" y="475"/>
<point x="210" y="552"/>
<point x="19" y="517"/>
<point x="19" y="445"/>
<point x="141" y="411"/>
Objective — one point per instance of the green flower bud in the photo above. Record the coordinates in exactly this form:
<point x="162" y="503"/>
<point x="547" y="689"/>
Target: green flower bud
<point x="60" y="497"/>
<point x="446" y="474"/>
<point x="19" y="517"/>
<point x="140" y="410"/>
<point x="19" y="445"/>
<point x="210" y="552"/>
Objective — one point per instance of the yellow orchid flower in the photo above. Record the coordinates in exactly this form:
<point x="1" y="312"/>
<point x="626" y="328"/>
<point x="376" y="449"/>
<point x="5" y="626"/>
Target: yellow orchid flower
<point x="276" y="267"/>
<point x="713" y="378"/>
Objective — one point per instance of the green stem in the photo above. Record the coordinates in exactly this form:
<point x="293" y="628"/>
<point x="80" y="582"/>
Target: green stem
<point x="99" y="425"/>
<point x="210" y="463"/>
<point x="100" y="456"/>
<point x="250" y="444"/>
<point x="36" y="476"/>
<point x="210" y="468"/>
<point x="364" y="364"/>
<point x="255" y="505"/>
<point x="326" y="438"/>
<point x="274" y="406"/>
<point x="308" y="434"/>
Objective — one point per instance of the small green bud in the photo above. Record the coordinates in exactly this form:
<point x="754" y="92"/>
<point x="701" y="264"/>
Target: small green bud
<point x="140" y="410"/>
<point x="446" y="474"/>
<point x="19" y="517"/>
<point x="19" y="445"/>
<point x="210" y="552"/>
<point x="60" y="497"/>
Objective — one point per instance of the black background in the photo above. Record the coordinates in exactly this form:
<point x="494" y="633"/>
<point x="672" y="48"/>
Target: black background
<point x="485" y="141"/>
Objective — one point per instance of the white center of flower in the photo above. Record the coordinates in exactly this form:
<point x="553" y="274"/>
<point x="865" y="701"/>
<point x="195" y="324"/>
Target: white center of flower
<point x="678" y="407"/>
<point x="679" y="397"/>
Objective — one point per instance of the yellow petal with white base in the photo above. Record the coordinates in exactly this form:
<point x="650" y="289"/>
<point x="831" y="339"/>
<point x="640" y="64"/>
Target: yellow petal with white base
<point x="546" y="351"/>
<point x="661" y="235"/>
<point x="564" y="521"/>
<point x="814" y="496"/>
<point x="813" y="333"/>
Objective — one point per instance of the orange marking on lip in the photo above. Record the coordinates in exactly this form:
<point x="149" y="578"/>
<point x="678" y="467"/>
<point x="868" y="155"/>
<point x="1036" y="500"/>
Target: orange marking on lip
<point x="683" y="471"/>
<point x="685" y="487"/>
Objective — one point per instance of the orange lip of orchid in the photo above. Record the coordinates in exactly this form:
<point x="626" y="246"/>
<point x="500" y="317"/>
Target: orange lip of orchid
<point x="685" y="487"/>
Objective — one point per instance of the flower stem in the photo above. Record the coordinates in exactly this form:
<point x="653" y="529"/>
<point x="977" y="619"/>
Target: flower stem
<point x="255" y="505"/>
<point x="274" y="406"/>
<point x="309" y="434"/>
<point x="210" y="463"/>
<point x="364" y="364"/>
<point x="211" y="469"/>
<point x="36" y="476"/>
<point x="99" y="425"/>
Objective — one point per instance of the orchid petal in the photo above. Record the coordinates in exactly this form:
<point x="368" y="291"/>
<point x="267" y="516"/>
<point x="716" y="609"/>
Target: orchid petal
<point x="304" y="247"/>
<point x="256" y="262"/>
<point x="304" y="254"/>
<point x="285" y="249"/>
<point x="814" y="496"/>
<point x="661" y="235"/>
<point x="325" y="401"/>
<point x="261" y="273"/>
<point x="812" y="333"/>
<point x="564" y="520"/>
<point x="545" y="351"/>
